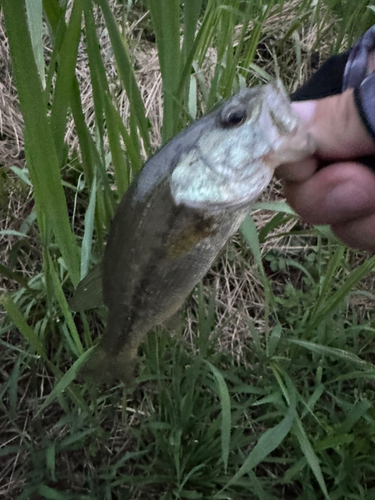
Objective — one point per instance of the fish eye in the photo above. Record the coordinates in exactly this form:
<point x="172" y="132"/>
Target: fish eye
<point x="233" y="117"/>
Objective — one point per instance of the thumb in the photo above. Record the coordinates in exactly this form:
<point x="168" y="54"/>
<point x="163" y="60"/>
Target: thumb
<point x="336" y="126"/>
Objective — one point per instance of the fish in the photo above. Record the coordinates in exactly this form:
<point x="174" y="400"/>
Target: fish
<point x="180" y="210"/>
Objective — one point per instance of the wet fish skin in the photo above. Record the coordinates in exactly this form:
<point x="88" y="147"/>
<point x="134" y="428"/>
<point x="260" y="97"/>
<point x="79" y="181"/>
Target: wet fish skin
<point x="178" y="213"/>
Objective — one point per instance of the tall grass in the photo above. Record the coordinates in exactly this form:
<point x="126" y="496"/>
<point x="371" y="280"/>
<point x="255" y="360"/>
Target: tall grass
<point x="295" y="418"/>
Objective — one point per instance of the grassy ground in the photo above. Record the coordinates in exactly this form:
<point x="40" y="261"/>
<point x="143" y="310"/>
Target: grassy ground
<point x="264" y="387"/>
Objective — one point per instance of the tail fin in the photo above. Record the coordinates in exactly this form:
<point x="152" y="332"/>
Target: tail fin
<point x="107" y="367"/>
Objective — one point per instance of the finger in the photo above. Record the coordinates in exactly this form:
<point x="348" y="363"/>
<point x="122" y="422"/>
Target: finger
<point x="336" y="126"/>
<point x="359" y="233"/>
<point x="298" y="171"/>
<point x="338" y="193"/>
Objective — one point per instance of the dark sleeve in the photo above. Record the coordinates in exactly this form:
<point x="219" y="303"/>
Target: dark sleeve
<point x="358" y="66"/>
<point x="326" y="81"/>
<point x="364" y="97"/>
<point x="351" y="69"/>
<point x="359" y="74"/>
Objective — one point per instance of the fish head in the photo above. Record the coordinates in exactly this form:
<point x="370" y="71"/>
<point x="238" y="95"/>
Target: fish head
<point x="234" y="158"/>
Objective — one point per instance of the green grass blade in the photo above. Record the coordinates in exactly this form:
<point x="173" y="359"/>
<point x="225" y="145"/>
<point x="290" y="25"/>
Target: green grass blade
<point x="97" y="71"/>
<point x="67" y="442"/>
<point x="165" y="16"/>
<point x="189" y="63"/>
<point x="275" y="206"/>
<point x="355" y="413"/>
<point x="103" y="104"/>
<point x="92" y="163"/>
<point x="50" y="493"/>
<point x="228" y="18"/>
<point x="65" y="76"/>
<point x="189" y="475"/>
<point x="118" y="160"/>
<point x="54" y="12"/>
<point x="13" y="387"/>
<point x="21" y="323"/>
<point x="333" y="265"/>
<point x="225" y="414"/>
<point x="231" y="70"/>
<point x="41" y="154"/>
<point x="210" y="21"/>
<point x="250" y="233"/>
<point x="192" y="438"/>
<point x="192" y="11"/>
<point x="192" y="98"/>
<point x="336" y="298"/>
<point x="310" y="455"/>
<point x="83" y="134"/>
<point x="57" y="39"/>
<point x="22" y="174"/>
<point x="89" y="231"/>
<point x="214" y="93"/>
<point x="255" y="36"/>
<point x="126" y="74"/>
<point x="66" y="380"/>
<point x="331" y="351"/>
<point x="12" y="275"/>
<point x="266" y="444"/>
<point x="34" y="9"/>
<point x="334" y="442"/>
<point x="91" y="158"/>
<point x="278" y="220"/>
<point x="60" y="296"/>
<point x="314" y="398"/>
<point x="256" y="339"/>
<point x="132" y="150"/>
<point x="206" y="321"/>
<point x="11" y="232"/>
<point x="30" y="336"/>
<point x="273" y="340"/>
<point x="51" y="460"/>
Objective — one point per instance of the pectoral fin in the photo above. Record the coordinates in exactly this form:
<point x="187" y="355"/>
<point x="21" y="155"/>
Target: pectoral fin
<point x="89" y="292"/>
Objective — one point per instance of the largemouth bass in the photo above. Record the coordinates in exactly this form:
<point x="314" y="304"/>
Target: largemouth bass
<point x="178" y="213"/>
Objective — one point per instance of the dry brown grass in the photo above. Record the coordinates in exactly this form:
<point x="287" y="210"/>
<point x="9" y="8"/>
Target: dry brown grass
<point x="239" y="287"/>
<point x="11" y="135"/>
<point x="239" y="290"/>
<point x="15" y="200"/>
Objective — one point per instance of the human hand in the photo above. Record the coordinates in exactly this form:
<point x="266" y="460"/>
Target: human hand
<point x="342" y="193"/>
